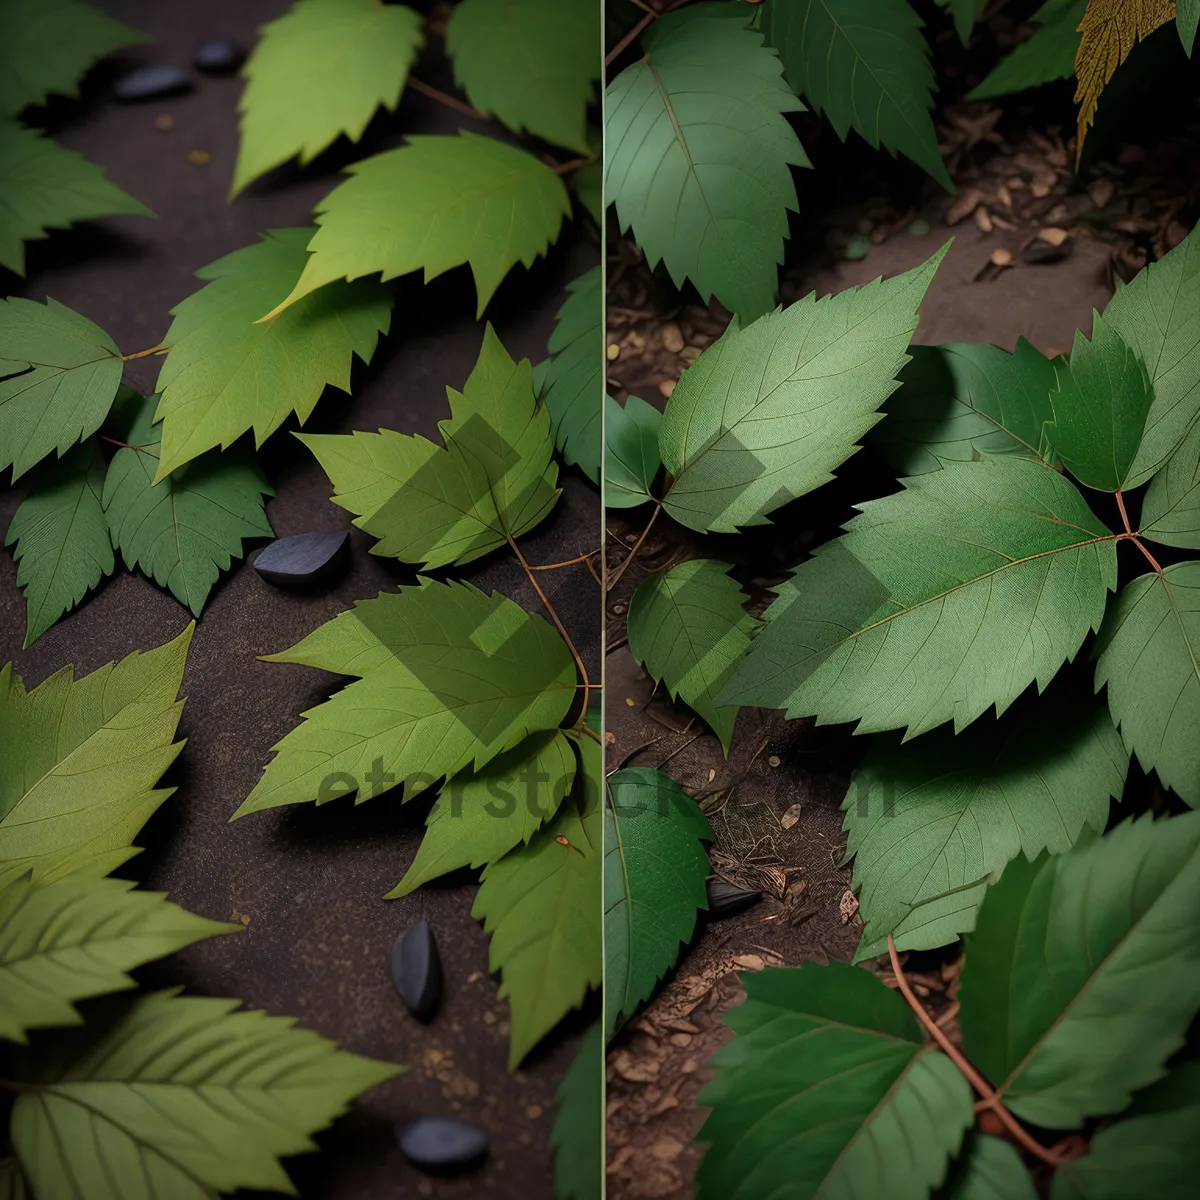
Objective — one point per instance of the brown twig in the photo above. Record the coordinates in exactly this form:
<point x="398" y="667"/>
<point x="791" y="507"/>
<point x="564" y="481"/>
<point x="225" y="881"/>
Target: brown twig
<point x="612" y="583"/>
<point x="988" y="1097"/>
<point x="445" y="98"/>
<point x="569" y="562"/>
<point x="628" y="39"/>
<point x="159" y="349"/>
<point x="572" y="165"/>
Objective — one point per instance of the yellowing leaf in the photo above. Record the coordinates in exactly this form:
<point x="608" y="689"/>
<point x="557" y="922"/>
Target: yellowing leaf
<point x="1111" y="29"/>
<point x="320" y="70"/>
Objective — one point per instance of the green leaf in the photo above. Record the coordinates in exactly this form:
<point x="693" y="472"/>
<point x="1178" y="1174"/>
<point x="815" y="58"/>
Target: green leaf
<point x="768" y="411"/>
<point x="655" y="866"/>
<point x="938" y="602"/>
<point x="61" y="537"/>
<point x="320" y="70"/>
<point x="434" y="204"/>
<point x="988" y="1169"/>
<point x="541" y="904"/>
<point x="698" y="151"/>
<point x="573" y="382"/>
<point x="1100" y="408"/>
<point x="1187" y="17"/>
<point x="965" y="13"/>
<point x="1149" y="1151"/>
<point x="1158" y="314"/>
<point x="1046" y="56"/>
<point x="1171" y="509"/>
<point x="828" y="1089"/>
<point x="76" y="937"/>
<point x="588" y="185"/>
<point x="962" y="400"/>
<point x="493" y="480"/>
<point x="448" y="678"/>
<point x="46" y="46"/>
<point x="688" y="628"/>
<point x="864" y="65"/>
<point x="578" y="1133"/>
<point x="481" y="816"/>
<point x="186" y="530"/>
<point x="48" y="187"/>
<point x="631" y="459"/>
<point x="183" y="1097"/>
<point x="941" y="814"/>
<point x="225" y="374"/>
<point x="81" y="759"/>
<point x="934" y="923"/>
<point x="532" y="63"/>
<point x="1149" y="656"/>
<point x="1070" y="954"/>
<point x="59" y="375"/>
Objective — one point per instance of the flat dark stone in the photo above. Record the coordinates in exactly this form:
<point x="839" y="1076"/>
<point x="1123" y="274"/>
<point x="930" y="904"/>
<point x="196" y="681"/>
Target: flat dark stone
<point x="151" y="83"/>
<point x="304" y="559"/>
<point x="442" y="1143"/>
<point x="218" y="56"/>
<point x="417" y="970"/>
<point x="725" y="899"/>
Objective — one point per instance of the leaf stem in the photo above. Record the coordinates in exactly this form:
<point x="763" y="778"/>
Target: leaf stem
<point x="569" y="562"/>
<point x="159" y="349"/>
<point x="628" y="39"/>
<point x="112" y="441"/>
<point x="460" y="106"/>
<point x="612" y="583"/>
<point x="1133" y="537"/>
<point x="572" y="165"/>
<point x="989" y="1098"/>
<point x="562" y="629"/>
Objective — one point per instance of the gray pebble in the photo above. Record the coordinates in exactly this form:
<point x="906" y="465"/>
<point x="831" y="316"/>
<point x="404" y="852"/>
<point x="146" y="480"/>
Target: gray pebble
<point x="442" y="1143"/>
<point x="151" y="83"/>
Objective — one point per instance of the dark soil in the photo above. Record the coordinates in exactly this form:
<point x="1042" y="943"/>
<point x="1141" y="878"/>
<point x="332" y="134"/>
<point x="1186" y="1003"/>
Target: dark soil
<point x="1035" y="249"/>
<point x="307" y="884"/>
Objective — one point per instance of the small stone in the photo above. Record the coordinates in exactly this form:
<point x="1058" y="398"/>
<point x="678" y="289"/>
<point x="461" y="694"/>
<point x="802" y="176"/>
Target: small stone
<point x="218" y="56"/>
<point x="150" y="83"/>
<point x="417" y="970"/>
<point x="773" y="760"/>
<point x="1001" y="257"/>
<point x="725" y="899"/>
<point x="199" y="158"/>
<point x="164" y="122"/>
<point x="614" y="352"/>
<point x="442" y="1143"/>
<point x="305" y="558"/>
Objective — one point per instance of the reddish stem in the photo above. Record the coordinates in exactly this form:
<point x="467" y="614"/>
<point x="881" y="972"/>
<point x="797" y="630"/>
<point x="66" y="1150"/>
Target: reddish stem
<point x="445" y="98"/>
<point x="612" y="583"/>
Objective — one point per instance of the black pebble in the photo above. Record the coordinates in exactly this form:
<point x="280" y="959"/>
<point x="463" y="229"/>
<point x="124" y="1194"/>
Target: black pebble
<point x="442" y="1143"/>
<point x="218" y="56"/>
<point x="151" y="83"/>
<point x="304" y="559"/>
<point x="724" y="899"/>
<point x="417" y="970"/>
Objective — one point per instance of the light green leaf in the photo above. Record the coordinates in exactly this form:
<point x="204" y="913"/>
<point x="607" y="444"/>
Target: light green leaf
<point x="1070" y="954"/>
<point x="59" y="375"/>
<point x="828" y="1089"/>
<point x="688" y="628"/>
<point x="938" y="602"/>
<point x="186" y="530"/>
<point x="768" y="411"/>
<point x="865" y="65"/>
<point x="959" y="401"/>
<point x="631" y="459"/>
<point x="655" y="866"/>
<point x="437" y="203"/>
<point x="481" y="816"/>
<point x="61" y="538"/>
<point x="1046" y="56"/>
<point x="965" y="14"/>
<point x="1149" y="1151"/>
<point x="81" y="758"/>
<point x="1171" y="509"/>
<point x="541" y="904"/>
<point x="320" y="70"/>
<point x="940" y="815"/>
<point x="989" y="1168"/>
<point x="573" y="382"/>
<point x="183" y="1098"/>
<point x="75" y="938"/>
<point x="1100" y="408"/>
<point x="1149" y="656"/>
<point x="578" y="1133"/>
<point x="698" y="155"/>
<point x="532" y="63"/>
<point x="225" y="374"/>
<point x="493" y="480"/>
<point x="46" y="47"/>
<point x="448" y="678"/>
<point x="1158" y="314"/>
<point x="48" y="187"/>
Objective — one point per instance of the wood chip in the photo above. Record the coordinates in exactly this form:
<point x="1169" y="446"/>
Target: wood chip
<point x="1004" y="196"/>
<point x="983" y="219"/>
<point x="792" y="815"/>
<point x="1041" y="189"/>
<point x="666" y="388"/>
<point x="848" y="906"/>
<point x="672" y="338"/>
<point x="967" y="202"/>
<point x="1101" y="192"/>
<point x="1001" y="257"/>
<point x="1053" y="235"/>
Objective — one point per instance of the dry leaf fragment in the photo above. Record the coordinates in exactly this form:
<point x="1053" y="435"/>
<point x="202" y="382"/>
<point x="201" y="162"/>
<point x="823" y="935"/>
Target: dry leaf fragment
<point x="964" y="206"/>
<point x="983" y="220"/>
<point x="672" y="338"/>
<point x="1110" y="29"/>
<point x="1052" y="235"/>
<point x="848" y="907"/>
<point x="790" y="817"/>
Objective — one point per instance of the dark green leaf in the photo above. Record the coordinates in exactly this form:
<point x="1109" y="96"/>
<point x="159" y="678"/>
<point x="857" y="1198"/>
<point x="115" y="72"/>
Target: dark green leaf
<point x="1187" y="17"/>
<point x="1171" y="509"/>
<point x="965" y="13"/>
<point x="578" y="1133"/>
<point x="573" y="382"/>
<point x="631" y="459"/>
<point x="988" y="1169"/>
<point x="1046" y="56"/>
